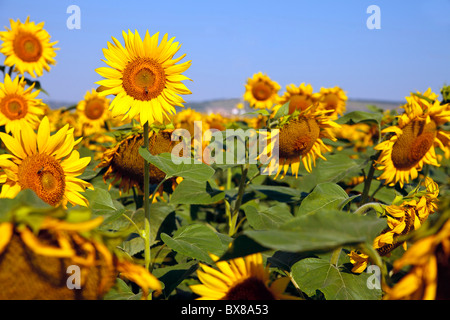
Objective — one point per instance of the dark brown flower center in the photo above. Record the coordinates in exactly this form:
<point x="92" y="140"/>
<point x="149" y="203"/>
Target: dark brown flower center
<point x="298" y="137"/>
<point x="413" y="144"/>
<point x="249" y="289"/>
<point x="129" y="164"/>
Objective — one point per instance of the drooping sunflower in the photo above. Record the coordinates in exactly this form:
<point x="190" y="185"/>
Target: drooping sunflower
<point x="261" y="92"/>
<point x="46" y="164"/>
<point x="402" y="218"/>
<point x="144" y="77"/>
<point x="299" y="98"/>
<point x="299" y="139"/>
<point x="19" y="107"/>
<point x="125" y="165"/>
<point x="332" y="99"/>
<point x="413" y="141"/>
<point x="92" y="112"/>
<point x="428" y="278"/>
<point x="40" y="255"/>
<point x="239" y="279"/>
<point x="27" y="47"/>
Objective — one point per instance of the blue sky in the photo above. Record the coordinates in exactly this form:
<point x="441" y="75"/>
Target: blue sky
<point x="324" y="43"/>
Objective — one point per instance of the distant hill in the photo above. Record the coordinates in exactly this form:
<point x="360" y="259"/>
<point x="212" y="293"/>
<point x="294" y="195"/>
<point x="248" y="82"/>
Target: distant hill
<point x="226" y="106"/>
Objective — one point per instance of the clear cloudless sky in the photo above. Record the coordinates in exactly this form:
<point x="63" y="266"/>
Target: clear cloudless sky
<point x="324" y="43"/>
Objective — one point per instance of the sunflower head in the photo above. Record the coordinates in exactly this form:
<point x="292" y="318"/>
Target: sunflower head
<point x="125" y="164"/>
<point x="428" y="260"/>
<point x="412" y="142"/>
<point x="40" y="248"/>
<point x="19" y="107"/>
<point x="46" y="164"/>
<point x="239" y="279"/>
<point x="299" y="98"/>
<point x="332" y="99"/>
<point x="186" y="120"/>
<point x="27" y="46"/>
<point x="405" y="215"/>
<point x="144" y="77"/>
<point x="261" y="92"/>
<point x="300" y="139"/>
<point x="92" y="112"/>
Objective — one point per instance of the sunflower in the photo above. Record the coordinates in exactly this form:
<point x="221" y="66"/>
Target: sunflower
<point x="125" y="164"/>
<point x="92" y="112"/>
<point x="299" y="98"/>
<point x="239" y="279"/>
<point x="299" y="139"/>
<point x="144" y="77"/>
<point x="427" y="279"/>
<point x="413" y="141"/>
<point x="260" y="91"/>
<point x="37" y="251"/>
<point x="332" y="99"/>
<point x="18" y="106"/>
<point x="46" y="164"/>
<point x="186" y="120"/>
<point x="27" y="47"/>
<point x="402" y="219"/>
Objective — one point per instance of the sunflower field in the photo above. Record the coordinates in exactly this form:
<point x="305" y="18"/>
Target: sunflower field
<point x="131" y="194"/>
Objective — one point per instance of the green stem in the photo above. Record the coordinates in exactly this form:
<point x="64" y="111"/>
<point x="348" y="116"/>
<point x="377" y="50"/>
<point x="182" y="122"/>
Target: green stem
<point x="229" y="176"/>
<point x="254" y="177"/>
<point x="335" y="256"/>
<point x="147" y="200"/>
<point x="241" y="190"/>
<point x="367" y="183"/>
<point x="368" y="180"/>
<point x="240" y="195"/>
<point x="365" y="207"/>
<point x="134" y="224"/>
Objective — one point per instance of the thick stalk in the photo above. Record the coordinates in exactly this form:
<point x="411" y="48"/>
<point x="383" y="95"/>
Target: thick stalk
<point x="240" y="195"/>
<point x="368" y="180"/>
<point x="147" y="200"/>
<point x="241" y="190"/>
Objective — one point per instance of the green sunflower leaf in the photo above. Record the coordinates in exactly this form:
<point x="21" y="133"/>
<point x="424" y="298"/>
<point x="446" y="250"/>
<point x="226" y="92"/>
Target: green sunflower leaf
<point x="337" y="168"/>
<point x="269" y="218"/>
<point x="324" y="196"/>
<point x="279" y="193"/>
<point x="360" y="116"/>
<point x="194" y="192"/>
<point x="322" y="231"/>
<point x="195" y="241"/>
<point x="189" y="170"/>
<point x="335" y="282"/>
